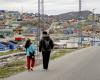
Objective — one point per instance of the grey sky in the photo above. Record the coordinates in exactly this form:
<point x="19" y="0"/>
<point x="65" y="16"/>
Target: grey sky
<point x="51" y="6"/>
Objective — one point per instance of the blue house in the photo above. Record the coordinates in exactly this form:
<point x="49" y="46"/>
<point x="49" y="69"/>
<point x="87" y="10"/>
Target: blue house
<point x="4" y="46"/>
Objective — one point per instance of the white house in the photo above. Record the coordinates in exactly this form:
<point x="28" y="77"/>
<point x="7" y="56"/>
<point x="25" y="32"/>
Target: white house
<point x="67" y="44"/>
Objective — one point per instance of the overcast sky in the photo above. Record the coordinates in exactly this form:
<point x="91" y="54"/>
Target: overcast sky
<point x="51" y="6"/>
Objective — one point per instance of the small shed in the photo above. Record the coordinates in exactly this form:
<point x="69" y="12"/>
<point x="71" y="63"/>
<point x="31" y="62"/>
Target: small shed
<point x="12" y="45"/>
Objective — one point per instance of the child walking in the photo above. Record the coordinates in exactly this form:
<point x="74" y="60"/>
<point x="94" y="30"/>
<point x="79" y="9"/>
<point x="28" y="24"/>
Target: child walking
<point x="30" y="51"/>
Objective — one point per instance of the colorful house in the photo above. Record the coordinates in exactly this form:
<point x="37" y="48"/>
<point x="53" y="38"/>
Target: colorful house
<point x="13" y="45"/>
<point x="4" y="46"/>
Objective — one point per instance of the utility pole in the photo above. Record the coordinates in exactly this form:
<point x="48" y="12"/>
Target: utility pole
<point x="93" y="28"/>
<point x="39" y="14"/>
<point x="80" y="5"/>
<point x="42" y="11"/>
<point x="38" y="28"/>
<point x="80" y="33"/>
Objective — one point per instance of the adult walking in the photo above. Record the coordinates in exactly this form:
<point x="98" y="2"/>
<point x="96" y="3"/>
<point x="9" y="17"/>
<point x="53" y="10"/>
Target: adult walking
<point x="30" y="51"/>
<point x="45" y="46"/>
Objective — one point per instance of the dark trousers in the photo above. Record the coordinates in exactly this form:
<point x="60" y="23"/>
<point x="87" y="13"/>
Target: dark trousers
<point x="46" y="56"/>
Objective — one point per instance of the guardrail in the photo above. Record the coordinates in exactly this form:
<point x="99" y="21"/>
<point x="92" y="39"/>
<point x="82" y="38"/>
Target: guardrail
<point x="21" y="54"/>
<point x="12" y="55"/>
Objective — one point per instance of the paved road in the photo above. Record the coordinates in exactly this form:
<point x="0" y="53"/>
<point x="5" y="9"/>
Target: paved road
<point x="79" y="65"/>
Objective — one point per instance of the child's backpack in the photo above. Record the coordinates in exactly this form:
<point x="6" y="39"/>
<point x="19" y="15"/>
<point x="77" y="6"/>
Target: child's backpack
<point x="31" y="50"/>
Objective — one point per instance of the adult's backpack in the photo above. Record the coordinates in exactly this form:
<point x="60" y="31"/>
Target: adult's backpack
<point x="46" y="45"/>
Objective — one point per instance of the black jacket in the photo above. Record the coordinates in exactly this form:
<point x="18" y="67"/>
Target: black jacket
<point x="42" y="44"/>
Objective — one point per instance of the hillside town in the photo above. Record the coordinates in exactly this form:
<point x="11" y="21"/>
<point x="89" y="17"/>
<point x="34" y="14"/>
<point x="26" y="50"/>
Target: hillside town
<point x="49" y="40"/>
<point x="16" y="27"/>
<point x="70" y="33"/>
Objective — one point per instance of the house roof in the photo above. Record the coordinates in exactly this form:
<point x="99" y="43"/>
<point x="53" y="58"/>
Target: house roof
<point x="5" y="43"/>
<point x="13" y="42"/>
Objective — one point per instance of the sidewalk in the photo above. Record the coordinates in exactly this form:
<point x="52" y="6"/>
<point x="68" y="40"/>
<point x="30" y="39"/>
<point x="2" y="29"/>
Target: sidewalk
<point x="57" y="68"/>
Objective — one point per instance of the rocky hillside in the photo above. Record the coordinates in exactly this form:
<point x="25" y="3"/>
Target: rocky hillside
<point x="72" y="15"/>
